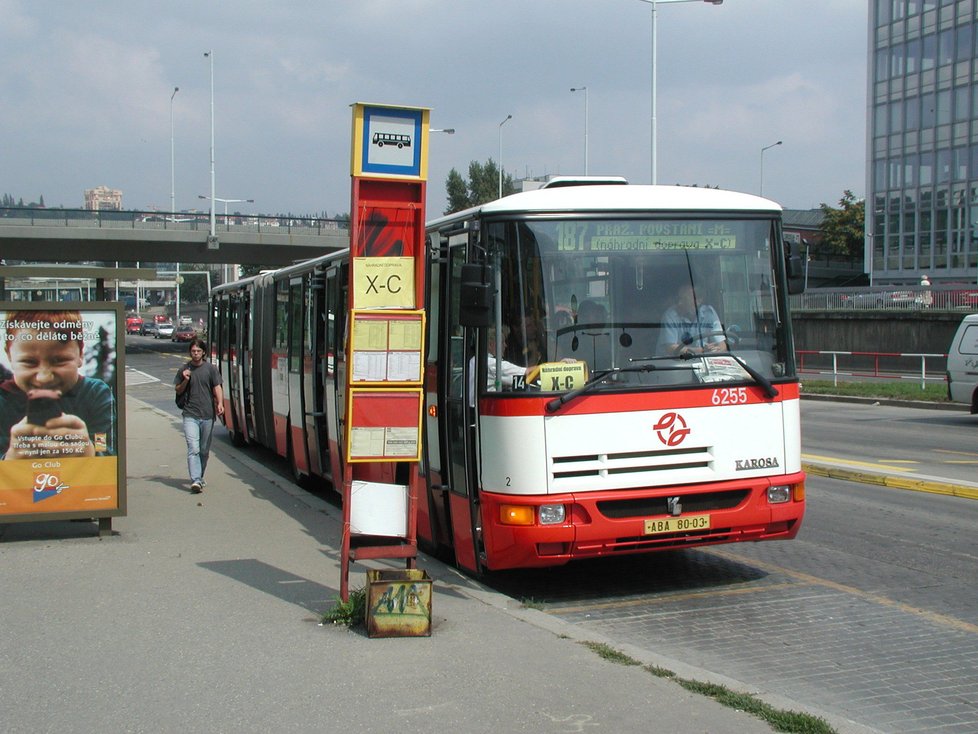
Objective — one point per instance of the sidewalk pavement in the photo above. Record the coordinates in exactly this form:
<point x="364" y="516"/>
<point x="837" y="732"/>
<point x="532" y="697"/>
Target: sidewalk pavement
<point x="201" y="614"/>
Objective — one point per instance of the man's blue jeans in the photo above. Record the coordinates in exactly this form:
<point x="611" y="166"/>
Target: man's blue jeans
<point x="198" y="432"/>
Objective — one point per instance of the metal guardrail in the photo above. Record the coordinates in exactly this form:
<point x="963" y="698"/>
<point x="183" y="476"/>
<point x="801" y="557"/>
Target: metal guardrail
<point x="148" y="220"/>
<point x="873" y="365"/>
<point x="905" y="298"/>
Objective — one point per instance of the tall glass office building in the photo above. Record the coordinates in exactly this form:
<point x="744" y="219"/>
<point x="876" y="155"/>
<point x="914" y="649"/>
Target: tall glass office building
<point x="922" y="141"/>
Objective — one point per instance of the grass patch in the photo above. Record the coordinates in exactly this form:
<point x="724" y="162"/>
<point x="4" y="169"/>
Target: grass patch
<point x="610" y="654"/>
<point x="791" y="722"/>
<point x="531" y="603"/>
<point x="935" y="392"/>
<point x="351" y="613"/>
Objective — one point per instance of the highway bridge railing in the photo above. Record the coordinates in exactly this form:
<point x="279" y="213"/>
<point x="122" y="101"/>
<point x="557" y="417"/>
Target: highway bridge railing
<point x="898" y="298"/>
<point x="181" y="221"/>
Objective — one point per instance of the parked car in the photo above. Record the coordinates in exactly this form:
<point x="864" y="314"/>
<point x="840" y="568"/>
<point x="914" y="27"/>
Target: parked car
<point x="164" y="330"/>
<point x="134" y="325"/>
<point x="869" y="299"/>
<point x="183" y="333"/>
<point x="962" y="364"/>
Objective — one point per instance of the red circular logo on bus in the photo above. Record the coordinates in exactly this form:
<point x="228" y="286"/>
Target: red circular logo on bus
<point x="671" y="429"/>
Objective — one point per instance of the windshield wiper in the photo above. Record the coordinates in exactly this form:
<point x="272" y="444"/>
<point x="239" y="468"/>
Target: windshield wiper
<point x="769" y="389"/>
<point x="599" y="377"/>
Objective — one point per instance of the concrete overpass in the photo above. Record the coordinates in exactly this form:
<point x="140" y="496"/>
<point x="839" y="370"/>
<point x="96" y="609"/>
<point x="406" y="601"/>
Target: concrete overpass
<point x="79" y="235"/>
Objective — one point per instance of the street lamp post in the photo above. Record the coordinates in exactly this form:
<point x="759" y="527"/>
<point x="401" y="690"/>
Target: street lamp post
<point x="766" y="147"/>
<point x="584" y="89"/>
<point x="508" y="118"/>
<point x="653" y="3"/>
<point x="212" y="239"/>
<point x="173" y="193"/>
<point x="173" y="188"/>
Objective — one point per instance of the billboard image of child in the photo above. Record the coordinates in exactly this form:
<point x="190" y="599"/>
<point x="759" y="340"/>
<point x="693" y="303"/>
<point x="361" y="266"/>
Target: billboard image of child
<point x="58" y="420"/>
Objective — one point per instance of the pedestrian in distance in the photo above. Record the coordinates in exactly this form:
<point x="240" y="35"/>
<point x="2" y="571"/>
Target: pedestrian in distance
<point x="200" y="396"/>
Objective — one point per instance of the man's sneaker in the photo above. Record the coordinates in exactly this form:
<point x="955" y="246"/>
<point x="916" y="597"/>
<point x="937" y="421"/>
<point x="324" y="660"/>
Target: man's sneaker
<point x="195" y="488"/>
<point x="203" y="483"/>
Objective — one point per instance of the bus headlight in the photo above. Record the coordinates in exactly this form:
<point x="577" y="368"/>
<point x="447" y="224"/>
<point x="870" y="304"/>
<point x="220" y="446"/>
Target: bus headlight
<point x="779" y="494"/>
<point x="552" y="514"/>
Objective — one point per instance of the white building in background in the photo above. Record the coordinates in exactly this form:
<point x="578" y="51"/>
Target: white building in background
<point x="102" y="198"/>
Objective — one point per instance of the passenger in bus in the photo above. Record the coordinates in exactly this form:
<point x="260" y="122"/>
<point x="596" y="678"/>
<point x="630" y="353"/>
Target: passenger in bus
<point x="592" y="340"/>
<point x="690" y="327"/>
<point x="527" y="342"/>
<point x="591" y="315"/>
<point x="506" y="370"/>
<point x="48" y="407"/>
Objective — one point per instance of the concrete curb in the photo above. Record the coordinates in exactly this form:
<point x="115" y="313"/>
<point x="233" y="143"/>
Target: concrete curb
<point x="914" y="483"/>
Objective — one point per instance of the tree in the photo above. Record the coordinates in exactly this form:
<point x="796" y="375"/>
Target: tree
<point x="842" y="228"/>
<point x="194" y="287"/>
<point x="482" y="186"/>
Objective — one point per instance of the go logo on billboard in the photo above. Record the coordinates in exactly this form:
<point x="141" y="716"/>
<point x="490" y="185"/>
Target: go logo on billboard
<point x="47" y="484"/>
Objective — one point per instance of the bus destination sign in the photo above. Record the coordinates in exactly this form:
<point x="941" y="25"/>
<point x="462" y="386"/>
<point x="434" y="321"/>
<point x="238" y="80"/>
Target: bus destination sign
<point x="644" y="236"/>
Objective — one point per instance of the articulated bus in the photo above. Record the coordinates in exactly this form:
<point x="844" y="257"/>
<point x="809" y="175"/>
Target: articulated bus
<point x="571" y="411"/>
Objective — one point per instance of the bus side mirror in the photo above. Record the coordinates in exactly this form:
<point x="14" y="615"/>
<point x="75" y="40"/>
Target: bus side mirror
<point x="475" y="297"/>
<point x="794" y="268"/>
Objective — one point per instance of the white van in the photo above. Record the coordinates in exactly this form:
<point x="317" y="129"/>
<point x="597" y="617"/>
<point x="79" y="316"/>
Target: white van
<point x="962" y="364"/>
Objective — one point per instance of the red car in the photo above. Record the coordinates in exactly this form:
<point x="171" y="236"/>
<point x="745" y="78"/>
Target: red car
<point x="134" y="325"/>
<point x="183" y="334"/>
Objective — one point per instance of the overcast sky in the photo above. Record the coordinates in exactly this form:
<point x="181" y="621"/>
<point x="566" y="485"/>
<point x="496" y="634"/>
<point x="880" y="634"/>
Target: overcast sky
<point x="85" y="94"/>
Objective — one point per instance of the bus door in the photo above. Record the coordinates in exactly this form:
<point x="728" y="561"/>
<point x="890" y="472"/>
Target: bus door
<point x="297" y="365"/>
<point x="334" y="380"/>
<point x="315" y="383"/>
<point x="244" y="360"/>
<point x="231" y="356"/>
<point x="459" y="455"/>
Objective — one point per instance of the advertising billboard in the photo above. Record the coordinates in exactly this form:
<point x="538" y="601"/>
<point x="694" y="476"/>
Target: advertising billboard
<point x="62" y="379"/>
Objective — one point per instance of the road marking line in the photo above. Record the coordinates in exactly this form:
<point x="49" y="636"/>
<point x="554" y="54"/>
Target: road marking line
<point x="956" y="453"/>
<point x="136" y="377"/>
<point x="849" y="462"/>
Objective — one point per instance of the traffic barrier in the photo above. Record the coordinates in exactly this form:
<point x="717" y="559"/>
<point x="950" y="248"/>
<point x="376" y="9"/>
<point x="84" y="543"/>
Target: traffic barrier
<point x="877" y="365"/>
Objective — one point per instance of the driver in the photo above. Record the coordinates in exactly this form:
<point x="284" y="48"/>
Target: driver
<point x="690" y="328"/>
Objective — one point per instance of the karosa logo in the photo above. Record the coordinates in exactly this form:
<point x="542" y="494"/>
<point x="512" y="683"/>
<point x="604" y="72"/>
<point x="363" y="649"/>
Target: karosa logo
<point x="47" y="485"/>
<point x="671" y="429"/>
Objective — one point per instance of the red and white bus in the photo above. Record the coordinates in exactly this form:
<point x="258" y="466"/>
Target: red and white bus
<point x="572" y="411"/>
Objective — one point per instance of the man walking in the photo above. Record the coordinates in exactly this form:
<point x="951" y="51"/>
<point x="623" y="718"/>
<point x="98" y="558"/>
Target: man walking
<point x="200" y="396"/>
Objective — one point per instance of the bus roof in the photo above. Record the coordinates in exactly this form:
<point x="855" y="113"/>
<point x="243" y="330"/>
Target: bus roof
<point x="616" y="198"/>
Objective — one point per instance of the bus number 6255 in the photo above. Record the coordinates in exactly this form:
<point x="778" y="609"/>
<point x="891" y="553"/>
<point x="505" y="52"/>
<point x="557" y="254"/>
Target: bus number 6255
<point x="730" y="396"/>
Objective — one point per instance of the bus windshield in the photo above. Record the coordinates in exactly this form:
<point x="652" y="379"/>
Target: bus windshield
<point x="651" y="302"/>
